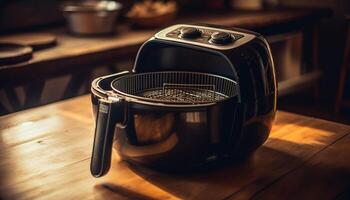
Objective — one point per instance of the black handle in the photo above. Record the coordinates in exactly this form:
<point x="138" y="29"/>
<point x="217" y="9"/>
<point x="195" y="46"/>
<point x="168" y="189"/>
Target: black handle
<point x="109" y="113"/>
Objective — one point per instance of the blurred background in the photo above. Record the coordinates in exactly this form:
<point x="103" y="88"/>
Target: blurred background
<point x="52" y="50"/>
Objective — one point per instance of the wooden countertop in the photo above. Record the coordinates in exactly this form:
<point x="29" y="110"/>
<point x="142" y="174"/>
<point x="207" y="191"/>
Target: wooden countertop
<point x="45" y="154"/>
<point x="73" y="52"/>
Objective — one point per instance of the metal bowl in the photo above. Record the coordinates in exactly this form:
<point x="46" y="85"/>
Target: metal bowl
<point x="91" y="17"/>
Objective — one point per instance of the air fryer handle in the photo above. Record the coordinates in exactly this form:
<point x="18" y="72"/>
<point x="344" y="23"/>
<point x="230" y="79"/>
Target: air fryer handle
<point x="109" y="113"/>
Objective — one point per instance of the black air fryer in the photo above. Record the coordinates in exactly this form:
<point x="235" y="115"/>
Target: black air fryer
<point x="197" y="94"/>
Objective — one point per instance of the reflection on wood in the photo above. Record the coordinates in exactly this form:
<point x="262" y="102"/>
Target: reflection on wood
<point x="45" y="154"/>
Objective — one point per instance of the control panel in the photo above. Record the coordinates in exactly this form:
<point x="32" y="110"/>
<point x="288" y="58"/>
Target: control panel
<point x="204" y="36"/>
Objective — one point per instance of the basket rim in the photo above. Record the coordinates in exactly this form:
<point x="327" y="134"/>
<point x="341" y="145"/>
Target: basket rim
<point x="137" y="98"/>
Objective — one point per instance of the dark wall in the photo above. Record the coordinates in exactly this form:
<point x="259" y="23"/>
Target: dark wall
<point x="28" y="14"/>
<point x="340" y="7"/>
<point x="331" y="41"/>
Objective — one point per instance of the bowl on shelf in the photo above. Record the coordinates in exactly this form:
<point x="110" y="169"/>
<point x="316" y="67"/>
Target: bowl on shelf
<point x="91" y="17"/>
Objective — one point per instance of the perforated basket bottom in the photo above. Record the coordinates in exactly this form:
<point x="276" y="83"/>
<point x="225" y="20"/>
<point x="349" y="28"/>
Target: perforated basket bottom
<point x="180" y="95"/>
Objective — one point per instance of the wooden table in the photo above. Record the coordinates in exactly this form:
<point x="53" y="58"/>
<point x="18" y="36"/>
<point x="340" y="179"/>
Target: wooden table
<point x="45" y="154"/>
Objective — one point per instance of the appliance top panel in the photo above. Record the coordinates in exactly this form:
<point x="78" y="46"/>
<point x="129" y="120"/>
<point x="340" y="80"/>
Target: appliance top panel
<point x="209" y="37"/>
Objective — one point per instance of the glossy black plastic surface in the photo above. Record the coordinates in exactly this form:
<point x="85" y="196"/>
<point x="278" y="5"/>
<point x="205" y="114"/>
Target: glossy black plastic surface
<point x="109" y="113"/>
<point x="221" y="38"/>
<point x="189" y="33"/>
<point x="176" y="138"/>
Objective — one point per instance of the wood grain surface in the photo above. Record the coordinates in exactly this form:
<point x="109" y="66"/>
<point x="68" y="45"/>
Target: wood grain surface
<point x="36" y="40"/>
<point x="45" y="154"/>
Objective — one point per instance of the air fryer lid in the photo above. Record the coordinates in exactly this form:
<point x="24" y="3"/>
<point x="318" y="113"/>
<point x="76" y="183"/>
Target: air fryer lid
<point x="175" y="87"/>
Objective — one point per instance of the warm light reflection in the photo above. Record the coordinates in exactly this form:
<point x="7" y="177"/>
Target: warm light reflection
<point x="26" y="124"/>
<point x="31" y="129"/>
<point x="301" y="134"/>
<point x="195" y="117"/>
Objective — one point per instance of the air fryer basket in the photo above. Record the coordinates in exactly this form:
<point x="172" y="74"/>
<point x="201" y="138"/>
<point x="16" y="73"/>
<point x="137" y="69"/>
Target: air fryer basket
<point x="166" y="114"/>
<point x="177" y="87"/>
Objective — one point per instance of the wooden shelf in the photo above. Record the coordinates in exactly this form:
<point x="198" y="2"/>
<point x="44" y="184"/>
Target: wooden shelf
<point x="80" y="56"/>
<point x="74" y="53"/>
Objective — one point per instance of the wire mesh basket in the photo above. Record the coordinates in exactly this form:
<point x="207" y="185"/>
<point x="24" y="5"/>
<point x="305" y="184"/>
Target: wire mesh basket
<point x="176" y="87"/>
